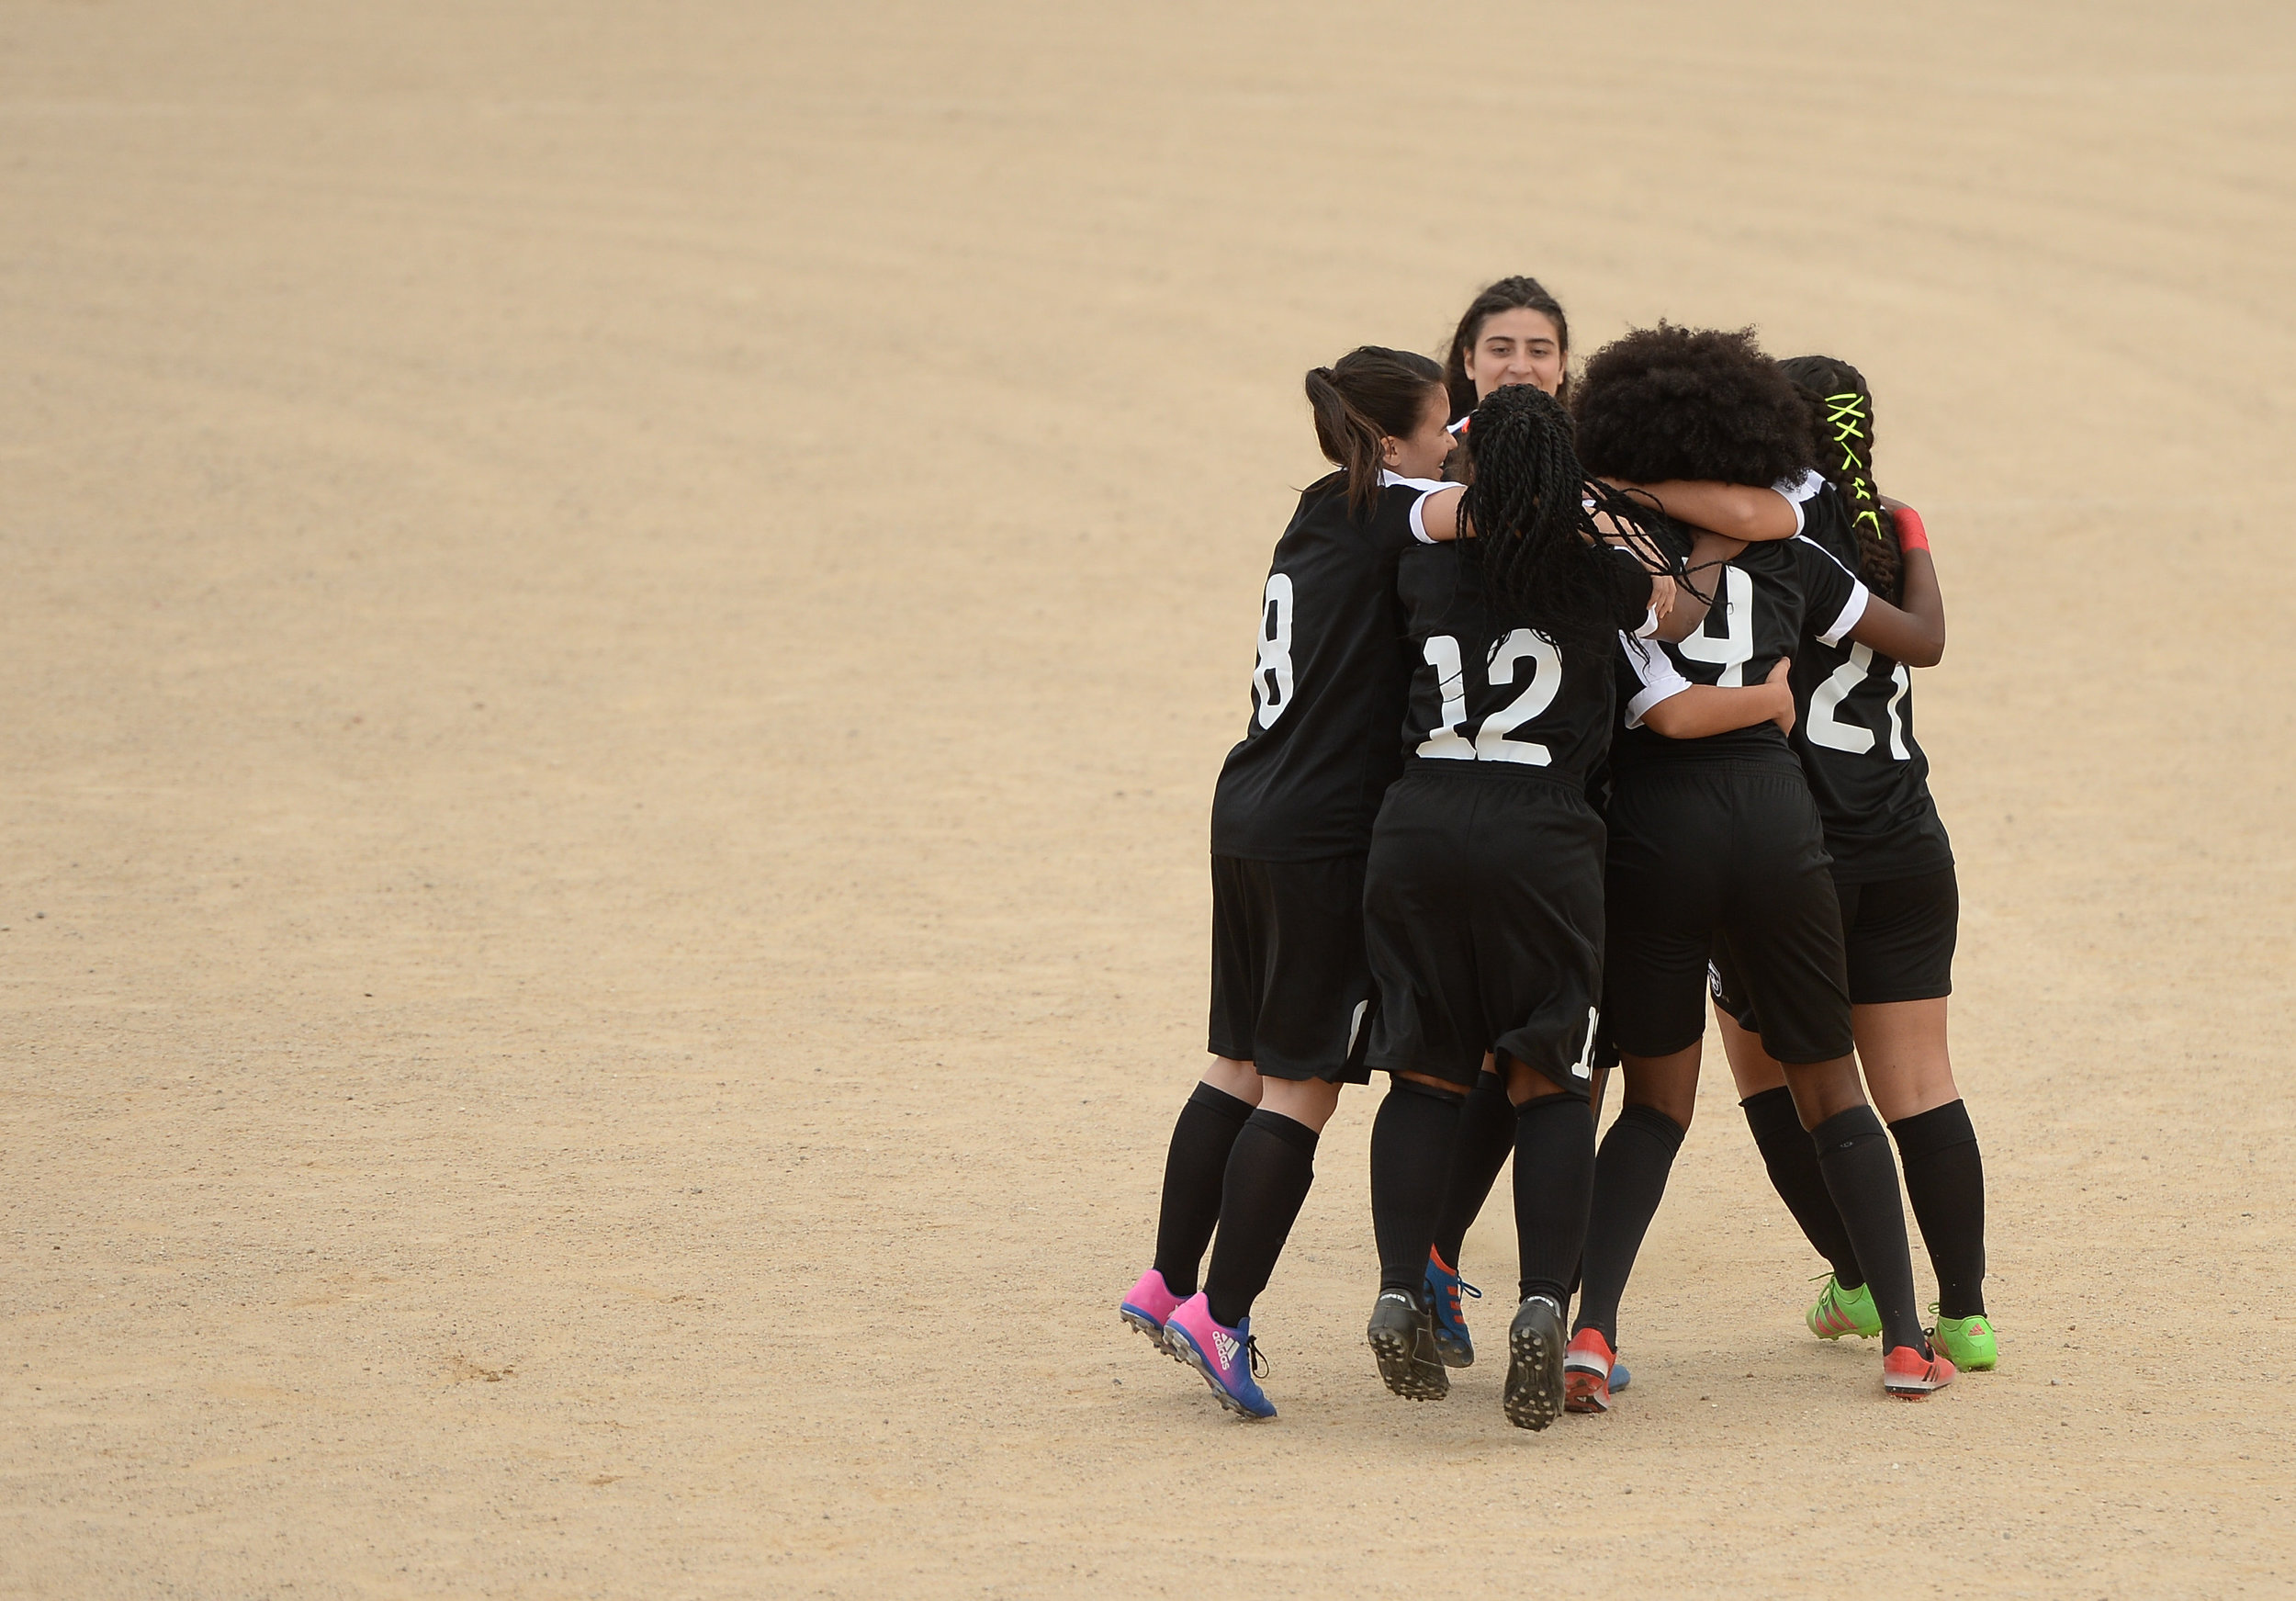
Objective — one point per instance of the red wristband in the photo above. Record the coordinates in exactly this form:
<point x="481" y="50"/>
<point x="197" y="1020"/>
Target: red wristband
<point x="1911" y="535"/>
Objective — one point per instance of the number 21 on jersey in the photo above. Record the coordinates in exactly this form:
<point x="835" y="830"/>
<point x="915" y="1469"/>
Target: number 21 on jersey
<point x="1491" y="744"/>
<point x="1826" y="726"/>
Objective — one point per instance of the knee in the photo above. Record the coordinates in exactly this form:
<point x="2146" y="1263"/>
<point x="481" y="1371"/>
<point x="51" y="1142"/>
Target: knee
<point x="1824" y="1089"/>
<point x="1669" y="1095"/>
<point x="1306" y="1101"/>
<point x="1429" y="1085"/>
<point x="1241" y="1079"/>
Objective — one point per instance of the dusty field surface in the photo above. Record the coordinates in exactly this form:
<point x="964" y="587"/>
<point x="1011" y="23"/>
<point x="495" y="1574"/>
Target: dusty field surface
<point x="618" y="620"/>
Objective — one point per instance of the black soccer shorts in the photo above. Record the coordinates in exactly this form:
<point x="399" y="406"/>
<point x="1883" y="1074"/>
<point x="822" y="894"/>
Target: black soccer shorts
<point x="1484" y="921"/>
<point x="1290" y="991"/>
<point x="1698" y="849"/>
<point x="1897" y="935"/>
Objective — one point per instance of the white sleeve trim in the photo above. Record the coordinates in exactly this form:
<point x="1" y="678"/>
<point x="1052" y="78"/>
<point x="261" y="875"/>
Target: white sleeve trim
<point x="1650" y="624"/>
<point x="1796" y="491"/>
<point x="1661" y="679"/>
<point x="1419" y="508"/>
<point x="1418" y="521"/>
<point x="1388" y="481"/>
<point x="1852" y="610"/>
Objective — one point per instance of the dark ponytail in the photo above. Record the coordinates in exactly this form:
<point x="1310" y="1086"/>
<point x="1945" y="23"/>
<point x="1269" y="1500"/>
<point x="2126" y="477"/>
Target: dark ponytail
<point x="1544" y="564"/>
<point x="1369" y="394"/>
<point x="1515" y="294"/>
<point x="1841" y="409"/>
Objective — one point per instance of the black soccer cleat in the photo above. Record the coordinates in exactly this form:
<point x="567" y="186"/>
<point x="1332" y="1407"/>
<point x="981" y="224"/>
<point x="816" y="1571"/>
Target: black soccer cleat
<point x="1402" y="1337"/>
<point x="1535" y="1348"/>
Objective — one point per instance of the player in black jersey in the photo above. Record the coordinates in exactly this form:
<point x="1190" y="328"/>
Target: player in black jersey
<point x="1290" y="824"/>
<point x="1514" y="331"/>
<point x="1720" y="836"/>
<point x="1893" y="872"/>
<point x="1483" y="895"/>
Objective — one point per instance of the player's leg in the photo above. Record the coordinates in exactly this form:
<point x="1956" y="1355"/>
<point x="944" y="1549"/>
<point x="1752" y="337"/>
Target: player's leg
<point x="1538" y="932"/>
<point x="1315" y="999"/>
<point x="1606" y="1062"/>
<point x="1417" y="903"/>
<point x="1785" y="933"/>
<point x="1844" y="1305"/>
<point x="1411" y="1154"/>
<point x="1630" y="1175"/>
<point x="1901" y="949"/>
<point x="1485" y="1140"/>
<point x="1270" y="1171"/>
<point x="1195" y="1169"/>
<point x="1196" y="1163"/>
<point x="1853" y="1153"/>
<point x="1554" y="1183"/>
<point x="1668" y="837"/>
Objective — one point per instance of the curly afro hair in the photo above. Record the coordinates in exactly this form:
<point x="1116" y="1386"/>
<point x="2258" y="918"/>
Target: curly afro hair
<point x="1671" y="402"/>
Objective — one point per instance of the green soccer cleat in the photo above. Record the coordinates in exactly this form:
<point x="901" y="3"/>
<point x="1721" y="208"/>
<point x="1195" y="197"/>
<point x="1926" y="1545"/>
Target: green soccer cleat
<point x="1968" y="1341"/>
<point x="1840" y="1312"/>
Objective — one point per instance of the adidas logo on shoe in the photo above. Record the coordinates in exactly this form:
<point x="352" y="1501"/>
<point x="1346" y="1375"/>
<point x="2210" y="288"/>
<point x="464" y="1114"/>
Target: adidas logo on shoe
<point x="1226" y="1345"/>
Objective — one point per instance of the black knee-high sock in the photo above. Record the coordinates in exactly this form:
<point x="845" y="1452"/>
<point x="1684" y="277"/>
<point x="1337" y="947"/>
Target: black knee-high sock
<point x="1945" y="1181"/>
<point x="1854" y="1156"/>
<point x="1268" y="1174"/>
<point x="1486" y="1138"/>
<point x="1792" y="1158"/>
<point x="1411" y="1155"/>
<point x="1554" y="1184"/>
<point x="1195" y="1169"/>
<point x="1629" y="1181"/>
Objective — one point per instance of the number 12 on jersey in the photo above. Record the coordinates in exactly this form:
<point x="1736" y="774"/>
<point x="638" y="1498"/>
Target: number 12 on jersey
<point x="1446" y="743"/>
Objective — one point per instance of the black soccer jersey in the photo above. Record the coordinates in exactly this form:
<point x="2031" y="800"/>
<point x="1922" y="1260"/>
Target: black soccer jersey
<point x="1767" y="600"/>
<point x="1327" y="691"/>
<point x="1513" y="705"/>
<point x="1853" y="730"/>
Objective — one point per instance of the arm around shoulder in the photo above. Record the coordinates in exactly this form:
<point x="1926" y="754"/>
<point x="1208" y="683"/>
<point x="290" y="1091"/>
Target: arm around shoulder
<point x="1435" y="518"/>
<point x="1913" y="631"/>
<point x="1735" y="510"/>
<point x="1705" y="709"/>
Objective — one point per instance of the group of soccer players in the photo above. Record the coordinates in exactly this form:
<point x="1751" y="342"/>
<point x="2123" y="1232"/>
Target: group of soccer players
<point x="1579" y="694"/>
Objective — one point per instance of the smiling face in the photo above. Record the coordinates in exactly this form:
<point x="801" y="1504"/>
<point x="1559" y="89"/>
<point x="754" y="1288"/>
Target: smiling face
<point x="1519" y="346"/>
<point x="1422" y="453"/>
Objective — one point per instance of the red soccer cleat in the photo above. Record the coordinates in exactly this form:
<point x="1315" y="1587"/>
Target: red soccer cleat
<point x="1586" y="1372"/>
<point x="1907" y="1373"/>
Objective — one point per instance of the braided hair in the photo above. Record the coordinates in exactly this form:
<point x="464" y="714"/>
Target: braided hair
<point x="1841" y="408"/>
<point x="1545" y="563"/>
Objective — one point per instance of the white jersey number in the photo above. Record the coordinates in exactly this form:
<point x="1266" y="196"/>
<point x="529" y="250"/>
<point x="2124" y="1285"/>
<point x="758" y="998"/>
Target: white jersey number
<point x="1491" y="744"/>
<point x="1271" y="679"/>
<point x="1825" y="726"/>
<point x="1735" y="649"/>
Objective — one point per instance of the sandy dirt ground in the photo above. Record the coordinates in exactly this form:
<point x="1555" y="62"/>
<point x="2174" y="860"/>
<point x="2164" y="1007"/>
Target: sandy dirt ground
<point x="618" y="620"/>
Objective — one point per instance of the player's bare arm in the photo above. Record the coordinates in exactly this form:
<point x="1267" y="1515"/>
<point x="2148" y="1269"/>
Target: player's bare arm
<point x="1738" y="511"/>
<point x="1704" y="709"/>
